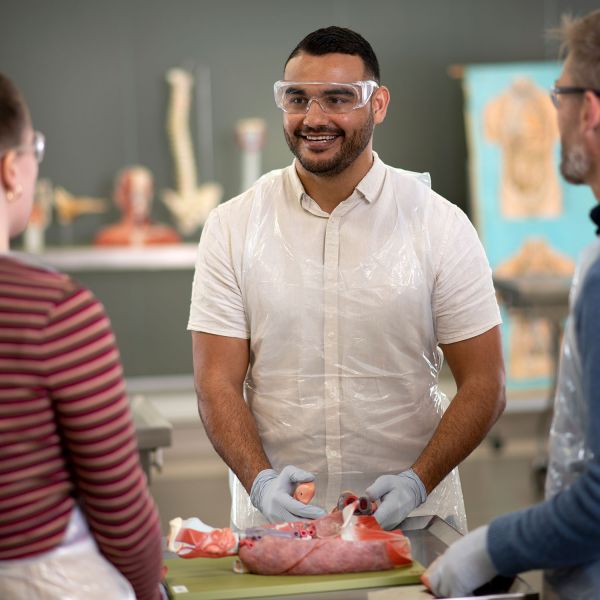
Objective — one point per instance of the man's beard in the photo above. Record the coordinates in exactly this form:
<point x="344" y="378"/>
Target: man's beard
<point x="350" y="150"/>
<point x="575" y="163"/>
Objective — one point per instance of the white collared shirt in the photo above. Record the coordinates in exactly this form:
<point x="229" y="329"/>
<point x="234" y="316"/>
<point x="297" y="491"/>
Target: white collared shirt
<point x="344" y="312"/>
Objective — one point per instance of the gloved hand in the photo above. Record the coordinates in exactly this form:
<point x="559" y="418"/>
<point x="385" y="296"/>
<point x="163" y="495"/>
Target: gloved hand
<point x="272" y="493"/>
<point x="465" y="566"/>
<point x="399" y="495"/>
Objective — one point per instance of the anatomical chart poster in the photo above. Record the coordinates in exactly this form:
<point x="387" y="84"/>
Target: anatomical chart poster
<point x="530" y="221"/>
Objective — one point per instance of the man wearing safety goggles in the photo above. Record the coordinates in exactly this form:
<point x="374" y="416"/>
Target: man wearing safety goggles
<point x="323" y="299"/>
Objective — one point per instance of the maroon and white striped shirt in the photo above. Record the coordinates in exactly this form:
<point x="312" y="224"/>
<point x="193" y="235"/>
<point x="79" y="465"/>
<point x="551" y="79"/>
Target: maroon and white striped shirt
<point x="66" y="431"/>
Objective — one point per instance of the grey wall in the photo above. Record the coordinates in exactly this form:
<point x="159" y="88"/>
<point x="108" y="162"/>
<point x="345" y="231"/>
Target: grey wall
<point x="94" y="76"/>
<point x="148" y="311"/>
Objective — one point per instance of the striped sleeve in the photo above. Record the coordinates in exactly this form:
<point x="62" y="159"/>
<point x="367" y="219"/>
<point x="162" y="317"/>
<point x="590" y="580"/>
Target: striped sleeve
<point x="83" y="374"/>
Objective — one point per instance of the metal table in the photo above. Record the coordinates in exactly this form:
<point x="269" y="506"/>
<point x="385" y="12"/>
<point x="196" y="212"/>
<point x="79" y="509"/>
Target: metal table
<point x="153" y="432"/>
<point x="544" y="297"/>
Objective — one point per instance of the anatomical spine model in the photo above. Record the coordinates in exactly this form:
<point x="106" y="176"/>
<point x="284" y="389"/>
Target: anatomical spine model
<point x="189" y="203"/>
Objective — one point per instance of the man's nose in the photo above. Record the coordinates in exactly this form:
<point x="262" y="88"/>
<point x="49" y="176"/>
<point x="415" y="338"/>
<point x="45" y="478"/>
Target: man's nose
<point x="315" y="112"/>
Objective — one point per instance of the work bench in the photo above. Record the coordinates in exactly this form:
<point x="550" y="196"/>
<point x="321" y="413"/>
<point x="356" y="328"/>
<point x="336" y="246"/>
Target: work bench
<point x="153" y="432"/>
<point x="205" y="579"/>
<point x="539" y="297"/>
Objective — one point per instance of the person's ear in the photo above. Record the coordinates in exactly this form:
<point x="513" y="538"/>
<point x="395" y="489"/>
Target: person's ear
<point x="380" y="101"/>
<point x="590" y="119"/>
<point x="591" y="111"/>
<point x="8" y="172"/>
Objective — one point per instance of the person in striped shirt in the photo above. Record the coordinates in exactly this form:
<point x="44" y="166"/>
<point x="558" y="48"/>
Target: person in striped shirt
<point x="76" y="517"/>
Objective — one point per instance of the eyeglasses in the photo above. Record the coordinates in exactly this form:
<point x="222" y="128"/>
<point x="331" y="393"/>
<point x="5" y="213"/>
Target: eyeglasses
<point x="555" y="92"/>
<point x="38" y="145"/>
<point x="296" y="97"/>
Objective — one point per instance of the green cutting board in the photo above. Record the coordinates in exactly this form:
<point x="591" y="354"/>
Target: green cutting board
<point x="214" y="579"/>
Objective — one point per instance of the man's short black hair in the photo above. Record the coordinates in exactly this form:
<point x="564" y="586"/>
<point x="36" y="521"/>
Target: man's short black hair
<point x="332" y="40"/>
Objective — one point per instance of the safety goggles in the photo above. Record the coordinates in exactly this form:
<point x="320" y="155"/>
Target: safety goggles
<point x="296" y="97"/>
<point x="38" y="145"/>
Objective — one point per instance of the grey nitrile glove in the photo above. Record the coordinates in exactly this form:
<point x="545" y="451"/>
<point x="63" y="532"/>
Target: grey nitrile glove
<point x="399" y="496"/>
<point x="465" y="566"/>
<point x="272" y="493"/>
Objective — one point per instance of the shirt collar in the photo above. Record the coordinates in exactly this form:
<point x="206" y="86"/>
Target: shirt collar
<point x="296" y="184"/>
<point x="368" y="187"/>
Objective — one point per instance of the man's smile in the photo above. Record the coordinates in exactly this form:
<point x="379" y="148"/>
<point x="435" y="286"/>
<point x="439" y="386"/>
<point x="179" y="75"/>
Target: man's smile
<point x="319" y="140"/>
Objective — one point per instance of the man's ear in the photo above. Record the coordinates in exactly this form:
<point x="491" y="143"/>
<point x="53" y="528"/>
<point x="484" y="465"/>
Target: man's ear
<point x="380" y="101"/>
<point x="8" y="171"/>
<point x="591" y="111"/>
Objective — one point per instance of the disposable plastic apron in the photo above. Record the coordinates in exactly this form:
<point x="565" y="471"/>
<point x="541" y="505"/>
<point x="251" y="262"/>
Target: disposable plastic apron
<point x="321" y="399"/>
<point x="568" y="448"/>
<point x="73" y="570"/>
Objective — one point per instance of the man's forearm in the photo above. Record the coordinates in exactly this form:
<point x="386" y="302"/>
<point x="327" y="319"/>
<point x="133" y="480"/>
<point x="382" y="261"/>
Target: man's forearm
<point x="475" y="408"/>
<point x="232" y="430"/>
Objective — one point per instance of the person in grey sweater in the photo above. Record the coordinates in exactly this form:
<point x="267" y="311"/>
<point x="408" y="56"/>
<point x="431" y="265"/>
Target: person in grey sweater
<point x="562" y="534"/>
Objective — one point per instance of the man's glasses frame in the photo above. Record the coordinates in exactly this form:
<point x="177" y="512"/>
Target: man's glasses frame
<point x="556" y="91"/>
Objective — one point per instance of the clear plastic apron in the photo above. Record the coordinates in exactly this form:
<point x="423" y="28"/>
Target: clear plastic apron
<point x="74" y="570"/>
<point x="322" y="399"/>
<point x="568" y="450"/>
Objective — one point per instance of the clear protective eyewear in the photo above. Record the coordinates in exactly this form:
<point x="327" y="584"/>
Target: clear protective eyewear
<point x="38" y="146"/>
<point x="296" y="97"/>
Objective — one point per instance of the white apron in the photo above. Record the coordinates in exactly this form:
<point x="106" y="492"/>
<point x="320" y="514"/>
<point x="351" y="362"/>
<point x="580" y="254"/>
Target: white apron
<point x="74" y="570"/>
<point x="325" y="401"/>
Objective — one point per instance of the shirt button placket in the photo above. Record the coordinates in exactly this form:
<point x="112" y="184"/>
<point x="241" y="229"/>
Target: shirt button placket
<point x="331" y="361"/>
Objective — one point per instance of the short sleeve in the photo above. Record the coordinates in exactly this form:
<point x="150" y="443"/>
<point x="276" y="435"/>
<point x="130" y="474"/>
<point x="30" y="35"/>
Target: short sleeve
<point x="464" y="301"/>
<point x="217" y="305"/>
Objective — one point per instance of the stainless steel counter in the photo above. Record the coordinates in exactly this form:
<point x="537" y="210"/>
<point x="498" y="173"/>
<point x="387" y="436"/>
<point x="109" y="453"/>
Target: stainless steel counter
<point x="152" y="430"/>
<point x="540" y="297"/>
<point x="121" y="258"/>
<point x="430" y="536"/>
